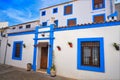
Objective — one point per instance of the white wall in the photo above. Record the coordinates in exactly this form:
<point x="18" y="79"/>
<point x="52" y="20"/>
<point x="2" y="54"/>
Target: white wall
<point x="66" y="59"/>
<point x="82" y="10"/>
<point x="27" y="53"/>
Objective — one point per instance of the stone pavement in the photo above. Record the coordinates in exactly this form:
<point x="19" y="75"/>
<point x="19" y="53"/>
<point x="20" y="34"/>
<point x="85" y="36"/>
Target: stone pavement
<point x="13" y="73"/>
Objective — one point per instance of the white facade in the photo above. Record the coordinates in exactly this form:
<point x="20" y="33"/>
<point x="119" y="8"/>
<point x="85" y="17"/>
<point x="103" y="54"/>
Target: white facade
<point x="82" y="11"/>
<point x="3" y="24"/>
<point x="66" y="59"/>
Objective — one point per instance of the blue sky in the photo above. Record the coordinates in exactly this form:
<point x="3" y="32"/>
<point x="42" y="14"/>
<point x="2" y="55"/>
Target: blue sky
<point x="20" y="11"/>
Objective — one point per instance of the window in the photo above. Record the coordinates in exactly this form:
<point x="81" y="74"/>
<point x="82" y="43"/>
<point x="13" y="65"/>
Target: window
<point x="55" y="10"/>
<point x="44" y="24"/>
<point x="17" y="50"/>
<point x="56" y="23"/>
<point x="98" y="4"/>
<point x="43" y="13"/>
<point x="68" y="9"/>
<point x="20" y="27"/>
<point x="90" y="54"/>
<point x="71" y="22"/>
<point x="28" y="26"/>
<point x="13" y="28"/>
<point x="99" y="18"/>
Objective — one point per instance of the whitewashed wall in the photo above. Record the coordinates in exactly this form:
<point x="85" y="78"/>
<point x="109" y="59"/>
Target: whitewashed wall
<point x="27" y="53"/>
<point x="66" y="59"/>
<point x="82" y="10"/>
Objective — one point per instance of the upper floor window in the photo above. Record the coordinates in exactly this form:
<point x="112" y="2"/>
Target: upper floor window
<point x="28" y="26"/>
<point x="99" y="18"/>
<point x="20" y="27"/>
<point x="56" y="23"/>
<point x="71" y="22"/>
<point x="98" y="4"/>
<point x="43" y="13"/>
<point x="91" y="54"/>
<point x="17" y="50"/>
<point x="55" y="10"/>
<point x="44" y="24"/>
<point x="68" y="9"/>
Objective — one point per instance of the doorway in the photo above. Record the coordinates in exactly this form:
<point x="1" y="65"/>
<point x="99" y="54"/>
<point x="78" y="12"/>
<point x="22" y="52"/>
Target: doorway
<point x="44" y="58"/>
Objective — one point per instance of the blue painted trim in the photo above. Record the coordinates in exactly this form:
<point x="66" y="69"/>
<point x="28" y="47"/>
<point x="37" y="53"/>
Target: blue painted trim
<point x="51" y="48"/>
<point x="99" y="25"/>
<point x="43" y="13"/>
<point x="14" y="50"/>
<point x="72" y="19"/>
<point x="66" y="7"/>
<point x="55" y="10"/>
<point x="43" y="38"/>
<point x="99" y="15"/>
<point x="21" y="33"/>
<point x="35" y="50"/>
<point x="44" y="23"/>
<point x="97" y="8"/>
<point x="79" y="54"/>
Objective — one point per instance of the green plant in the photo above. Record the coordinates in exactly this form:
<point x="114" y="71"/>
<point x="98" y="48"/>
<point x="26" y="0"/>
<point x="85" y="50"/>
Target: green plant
<point x="53" y="67"/>
<point x="116" y="46"/>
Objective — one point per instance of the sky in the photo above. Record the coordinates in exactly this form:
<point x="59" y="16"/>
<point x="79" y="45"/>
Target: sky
<point x="21" y="11"/>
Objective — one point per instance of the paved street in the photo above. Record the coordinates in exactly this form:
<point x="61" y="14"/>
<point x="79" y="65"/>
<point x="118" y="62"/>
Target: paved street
<point x="13" y="73"/>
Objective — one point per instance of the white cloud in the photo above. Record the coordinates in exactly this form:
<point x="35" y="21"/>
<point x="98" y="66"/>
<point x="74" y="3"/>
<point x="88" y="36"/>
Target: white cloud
<point x="19" y="15"/>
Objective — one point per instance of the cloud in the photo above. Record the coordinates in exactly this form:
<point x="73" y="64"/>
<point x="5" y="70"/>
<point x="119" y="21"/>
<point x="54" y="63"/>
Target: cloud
<point x="46" y="3"/>
<point x="19" y="15"/>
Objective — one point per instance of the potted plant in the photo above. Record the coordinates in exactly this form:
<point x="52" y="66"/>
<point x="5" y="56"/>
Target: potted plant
<point x="70" y="44"/>
<point x="53" y="70"/>
<point x="116" y="46"/>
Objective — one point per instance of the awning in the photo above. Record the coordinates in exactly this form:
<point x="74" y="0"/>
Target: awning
<point x="42" y="44"/>
<point x="113" y="14"/>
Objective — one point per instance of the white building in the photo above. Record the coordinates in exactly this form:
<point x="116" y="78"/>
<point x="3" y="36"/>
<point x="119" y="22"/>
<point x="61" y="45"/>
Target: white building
<point x="91" y="54"/>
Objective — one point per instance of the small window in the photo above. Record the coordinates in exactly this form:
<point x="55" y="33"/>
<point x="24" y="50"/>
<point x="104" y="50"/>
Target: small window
<point x="28" y="26"/>
<point x="71" y="22"/>
<point x="56" y="23"/>
<point x="43" y="13"/>
<point x="68" y="9"/>
<point x="20" y="27"/>
<point x="17" y="50"/>
<point x="44" y="24"/>
<point x="13" y="28"/>
<point x="90" y="54"/>
<point x="99" y="18"/>
<point x="55" y="10"/>
<point x="98" y="4"/>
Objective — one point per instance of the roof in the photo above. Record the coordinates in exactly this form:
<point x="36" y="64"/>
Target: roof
<point x="25" y="23"/>
<point x="58" y="4"/>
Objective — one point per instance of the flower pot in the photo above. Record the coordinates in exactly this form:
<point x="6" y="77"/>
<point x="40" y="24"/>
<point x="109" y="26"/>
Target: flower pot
<point x="52" y="73"/>
<point x="70" y="44"/>
<point x="59" y="48"/>
<point x="117" y="47"/>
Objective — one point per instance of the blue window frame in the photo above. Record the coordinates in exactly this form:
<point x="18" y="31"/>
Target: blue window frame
<point x="99" y="18"/>
<point x="44" y="24"/>
<point x="71" y="22"/>
<point x="98" y="4"/>
<point x="56" y="23"/>
<point x="43" y="13"/>
<point x="55" y="10"/>
<point x="17" y="50"/>
<point x="68" y="9"/>
<point x="80" y="65"/>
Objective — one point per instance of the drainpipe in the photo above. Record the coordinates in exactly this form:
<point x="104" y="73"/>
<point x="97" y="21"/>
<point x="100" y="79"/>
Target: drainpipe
<point x="5" y="52"/>
<point x="111" y="7"/>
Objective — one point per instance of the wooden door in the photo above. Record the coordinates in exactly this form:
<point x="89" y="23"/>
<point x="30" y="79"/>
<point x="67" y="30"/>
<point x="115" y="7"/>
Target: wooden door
<point x="44" y="57"/>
